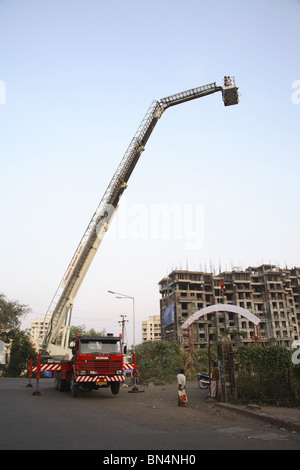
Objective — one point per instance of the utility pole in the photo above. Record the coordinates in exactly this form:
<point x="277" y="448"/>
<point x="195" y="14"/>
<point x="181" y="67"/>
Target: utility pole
<point x="123" y="330"/>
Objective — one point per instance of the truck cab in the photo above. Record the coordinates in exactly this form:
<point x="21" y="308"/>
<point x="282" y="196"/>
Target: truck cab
<point x="97" y="361"/>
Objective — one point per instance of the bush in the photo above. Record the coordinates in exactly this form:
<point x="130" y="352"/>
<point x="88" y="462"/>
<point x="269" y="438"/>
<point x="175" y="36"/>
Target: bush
<point x="266" y="375"/>
<point x="202" y="358"/>
<point x="159" y="361"/>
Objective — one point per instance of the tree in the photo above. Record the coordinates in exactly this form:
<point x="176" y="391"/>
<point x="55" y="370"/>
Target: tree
<point x="11" y="312"/>
<point x="81" y="329"/>
<point x="21" y="352"/>
<point x="21" y="349"/>
<point x="233" y="334"/>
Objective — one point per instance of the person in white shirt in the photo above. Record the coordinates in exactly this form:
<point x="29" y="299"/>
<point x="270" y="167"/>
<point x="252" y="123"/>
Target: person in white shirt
<point x="181" y="382"/>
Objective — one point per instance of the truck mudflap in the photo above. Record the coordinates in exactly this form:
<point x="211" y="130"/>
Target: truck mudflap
<point x="100" y="378"/>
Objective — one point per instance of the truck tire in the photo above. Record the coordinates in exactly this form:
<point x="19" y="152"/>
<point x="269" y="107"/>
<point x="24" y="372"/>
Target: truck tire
<point x="60" y="383"/>
<point x="74" y="387"/>
<point x="56" y="381"/>
<point x="115" y="388"/>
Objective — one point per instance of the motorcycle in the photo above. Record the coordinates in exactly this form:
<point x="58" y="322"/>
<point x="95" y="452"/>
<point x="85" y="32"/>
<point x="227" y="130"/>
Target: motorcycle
<point x="203" y="380"/>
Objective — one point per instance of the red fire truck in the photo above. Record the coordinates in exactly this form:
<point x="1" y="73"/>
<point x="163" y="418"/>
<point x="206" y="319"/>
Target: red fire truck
<point x="97" y="361"/>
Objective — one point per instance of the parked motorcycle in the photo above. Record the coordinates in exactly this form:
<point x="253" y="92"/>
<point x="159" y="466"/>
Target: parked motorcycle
<point x="203" y="380"/>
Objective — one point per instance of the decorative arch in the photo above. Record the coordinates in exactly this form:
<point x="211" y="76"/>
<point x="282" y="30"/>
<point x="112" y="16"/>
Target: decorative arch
<point x="221" y="308"/>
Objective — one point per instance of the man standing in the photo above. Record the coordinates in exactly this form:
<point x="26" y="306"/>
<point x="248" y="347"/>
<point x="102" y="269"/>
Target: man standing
<point x="181" y="382"/>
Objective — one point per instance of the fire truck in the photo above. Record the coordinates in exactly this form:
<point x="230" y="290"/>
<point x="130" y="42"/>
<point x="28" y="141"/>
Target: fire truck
<point x="98" y="362"/>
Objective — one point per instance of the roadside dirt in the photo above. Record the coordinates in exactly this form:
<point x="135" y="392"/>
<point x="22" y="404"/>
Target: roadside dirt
<point x="156" y="397"/>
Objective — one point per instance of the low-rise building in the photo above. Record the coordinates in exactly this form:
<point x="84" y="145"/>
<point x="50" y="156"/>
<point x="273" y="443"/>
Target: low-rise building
<point x="151" y="329"/>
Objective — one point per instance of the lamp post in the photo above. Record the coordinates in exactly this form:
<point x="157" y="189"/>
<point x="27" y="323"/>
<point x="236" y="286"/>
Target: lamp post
<point x="125" y="296"/>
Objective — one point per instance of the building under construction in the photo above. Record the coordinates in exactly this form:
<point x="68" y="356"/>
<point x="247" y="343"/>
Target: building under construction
<point x="270" y="293"/>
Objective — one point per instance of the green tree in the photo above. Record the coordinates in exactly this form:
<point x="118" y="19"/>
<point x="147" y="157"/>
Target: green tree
<point x="11" y="312"/>
<point x="233" y="334"/>
<point x="21" y="352"/>
<point x="81" y="329"/>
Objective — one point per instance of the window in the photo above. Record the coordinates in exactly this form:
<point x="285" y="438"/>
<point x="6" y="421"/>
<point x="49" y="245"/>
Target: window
<point x="92" y="347"/>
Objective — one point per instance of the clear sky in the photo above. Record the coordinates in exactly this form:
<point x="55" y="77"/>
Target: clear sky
<point x="76" y="79"/>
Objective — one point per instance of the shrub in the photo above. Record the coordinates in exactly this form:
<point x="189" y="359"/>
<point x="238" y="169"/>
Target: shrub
<point x="266" y="375"/>
<point x="159" y="361"/>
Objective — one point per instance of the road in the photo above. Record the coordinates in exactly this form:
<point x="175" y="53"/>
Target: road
<point x="150" y="420"/>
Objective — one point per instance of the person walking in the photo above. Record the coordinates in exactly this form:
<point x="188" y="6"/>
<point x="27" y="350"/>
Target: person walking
<point x="181" y="382"/>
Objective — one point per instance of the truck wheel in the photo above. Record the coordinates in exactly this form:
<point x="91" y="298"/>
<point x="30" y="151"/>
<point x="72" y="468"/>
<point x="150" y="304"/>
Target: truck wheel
<point x="115" y="388"/>
<point x="60" y="383"/>
<point x="56" y="381"/>
<point x="74" y="387"/>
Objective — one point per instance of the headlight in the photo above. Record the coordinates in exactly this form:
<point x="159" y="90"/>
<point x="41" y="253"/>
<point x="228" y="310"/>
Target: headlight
<point x="119" y="372"/>
<point x="82" y="372"/>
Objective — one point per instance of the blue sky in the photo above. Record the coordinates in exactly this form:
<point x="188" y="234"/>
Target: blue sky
<point x="79" y="77"/>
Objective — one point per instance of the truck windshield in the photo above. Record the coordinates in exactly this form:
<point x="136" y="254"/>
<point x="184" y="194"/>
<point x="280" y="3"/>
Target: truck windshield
<point x="91" y="347"/>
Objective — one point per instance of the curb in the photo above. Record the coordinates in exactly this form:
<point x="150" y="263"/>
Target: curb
<point x="285" y="423"/>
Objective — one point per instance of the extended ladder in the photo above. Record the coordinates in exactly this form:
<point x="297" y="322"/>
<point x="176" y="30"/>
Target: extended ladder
<point x="61" y="305"/>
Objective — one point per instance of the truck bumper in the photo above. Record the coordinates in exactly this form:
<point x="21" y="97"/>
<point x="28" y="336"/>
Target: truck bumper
<point x="100" y="378"/>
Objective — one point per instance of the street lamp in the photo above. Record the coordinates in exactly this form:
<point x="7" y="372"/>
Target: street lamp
<point x="125" y="296"/>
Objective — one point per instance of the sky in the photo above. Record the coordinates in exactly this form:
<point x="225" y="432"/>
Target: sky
<point x="217" y="187"/>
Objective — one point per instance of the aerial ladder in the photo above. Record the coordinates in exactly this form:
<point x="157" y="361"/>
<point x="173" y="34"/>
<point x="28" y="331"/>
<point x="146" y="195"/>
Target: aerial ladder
<point x="61" y="305"/>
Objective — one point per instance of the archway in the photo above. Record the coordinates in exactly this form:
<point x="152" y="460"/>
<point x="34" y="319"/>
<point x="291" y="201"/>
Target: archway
<point x="221" y="308"/>
<point x="187" y="325"/>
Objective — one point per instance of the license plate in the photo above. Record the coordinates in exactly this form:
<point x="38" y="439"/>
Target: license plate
<point x="101" y="382"/>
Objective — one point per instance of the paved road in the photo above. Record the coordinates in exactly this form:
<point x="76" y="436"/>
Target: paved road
<point x="144" y="421"/>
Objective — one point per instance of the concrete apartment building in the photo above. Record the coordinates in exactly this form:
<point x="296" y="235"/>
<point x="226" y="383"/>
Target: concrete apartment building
<point x="151" y="329"/>
<point x="269" y="292"/>
<point x="38" y="329"/>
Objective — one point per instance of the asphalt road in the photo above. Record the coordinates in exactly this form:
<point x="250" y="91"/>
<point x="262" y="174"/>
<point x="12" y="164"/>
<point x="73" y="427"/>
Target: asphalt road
<point x="150" y="420"/>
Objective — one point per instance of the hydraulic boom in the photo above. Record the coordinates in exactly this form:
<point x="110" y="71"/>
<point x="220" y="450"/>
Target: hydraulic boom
<point x="61" y="306"/>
